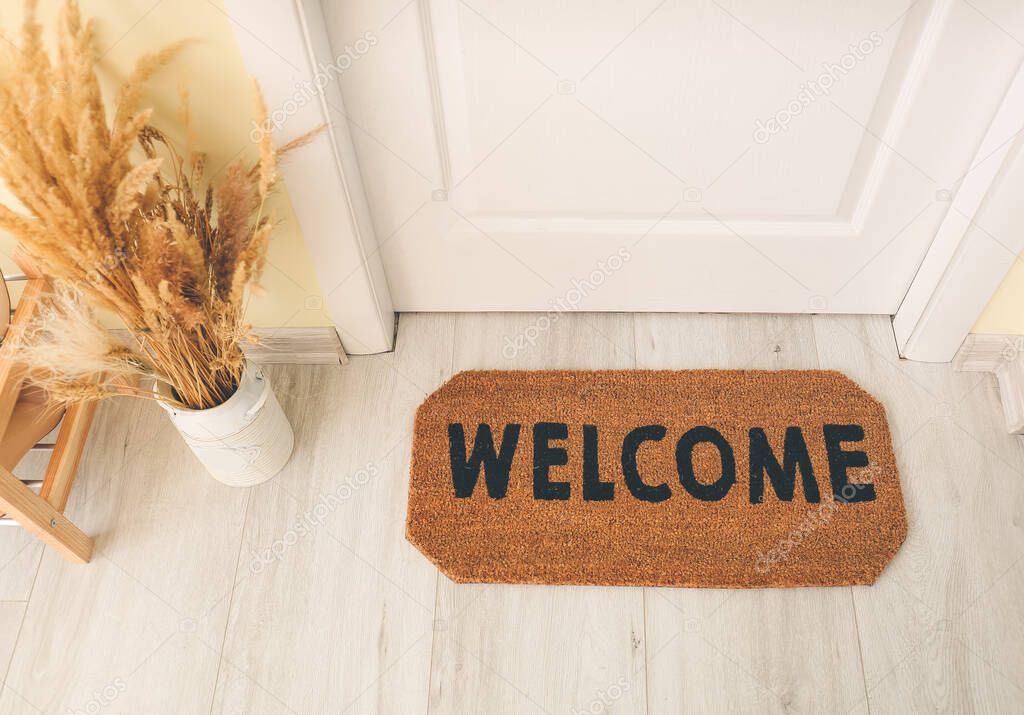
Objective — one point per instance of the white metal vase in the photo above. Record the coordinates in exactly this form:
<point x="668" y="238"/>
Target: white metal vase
<point x="244" y="441"/>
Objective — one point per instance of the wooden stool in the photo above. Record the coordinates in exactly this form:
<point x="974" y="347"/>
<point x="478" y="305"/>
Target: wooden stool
<point x="24" y="419"/>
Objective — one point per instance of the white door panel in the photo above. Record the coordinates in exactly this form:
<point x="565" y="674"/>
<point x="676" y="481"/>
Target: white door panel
<point x="677" y="155"/>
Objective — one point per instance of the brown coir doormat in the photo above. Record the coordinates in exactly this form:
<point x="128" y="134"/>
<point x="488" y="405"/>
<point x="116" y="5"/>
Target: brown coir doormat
<point x="709" y="478"/>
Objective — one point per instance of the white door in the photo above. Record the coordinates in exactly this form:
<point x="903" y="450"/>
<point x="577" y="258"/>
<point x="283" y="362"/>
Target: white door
<point x="711" y="155"/>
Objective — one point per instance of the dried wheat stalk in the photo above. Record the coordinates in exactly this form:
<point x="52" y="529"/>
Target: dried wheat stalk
<point x="140" y="234"/>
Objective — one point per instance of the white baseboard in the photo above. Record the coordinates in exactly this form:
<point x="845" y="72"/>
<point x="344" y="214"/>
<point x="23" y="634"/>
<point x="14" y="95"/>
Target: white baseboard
<point x="295" y="346"/>
<point x="1004" y="356"/>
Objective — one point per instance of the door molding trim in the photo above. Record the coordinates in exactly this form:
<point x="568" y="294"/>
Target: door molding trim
<point x="975" y="246"/>
<point x="284" y="45"/>
<point x="446" y="75"/>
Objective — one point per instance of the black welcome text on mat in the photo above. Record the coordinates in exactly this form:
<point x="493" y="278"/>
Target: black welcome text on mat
<point x="496" y="463"/>
<point x="655" y="478"/>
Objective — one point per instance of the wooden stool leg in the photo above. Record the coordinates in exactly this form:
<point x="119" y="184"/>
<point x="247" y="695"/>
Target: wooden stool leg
<point x="40" y="518"/>
<point x="60" y="472"/>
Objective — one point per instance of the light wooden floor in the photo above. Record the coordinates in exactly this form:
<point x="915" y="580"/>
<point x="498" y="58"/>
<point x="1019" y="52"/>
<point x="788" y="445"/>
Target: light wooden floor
<point x="302" y="596"/>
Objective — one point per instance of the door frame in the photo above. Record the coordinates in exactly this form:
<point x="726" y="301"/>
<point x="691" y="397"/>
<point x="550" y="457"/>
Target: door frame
<point x="967" y="261"/>
<point x="284" y="46"/>
<point x="961" y="270"/>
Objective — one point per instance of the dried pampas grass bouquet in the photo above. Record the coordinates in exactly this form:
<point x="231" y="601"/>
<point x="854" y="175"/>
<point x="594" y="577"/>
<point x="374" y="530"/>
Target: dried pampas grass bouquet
<point x="123" y="223"/>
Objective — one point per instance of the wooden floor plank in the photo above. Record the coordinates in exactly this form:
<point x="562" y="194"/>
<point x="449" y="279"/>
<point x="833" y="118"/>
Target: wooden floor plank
<point x="11" y="614"/>
<point x="21" y="552"/>
<point x="519" y="649"/>
<point x="192" y="602"/>
<point x="745" y="650"/>
<point x="963" y="483"/>
<point x="147" y="615"/>
<point x="326" y="575"/>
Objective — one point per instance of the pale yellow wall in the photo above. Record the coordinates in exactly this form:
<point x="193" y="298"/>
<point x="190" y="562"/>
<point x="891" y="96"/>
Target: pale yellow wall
<point x="221" y="105"/>
<point x="1005" y="312"/>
